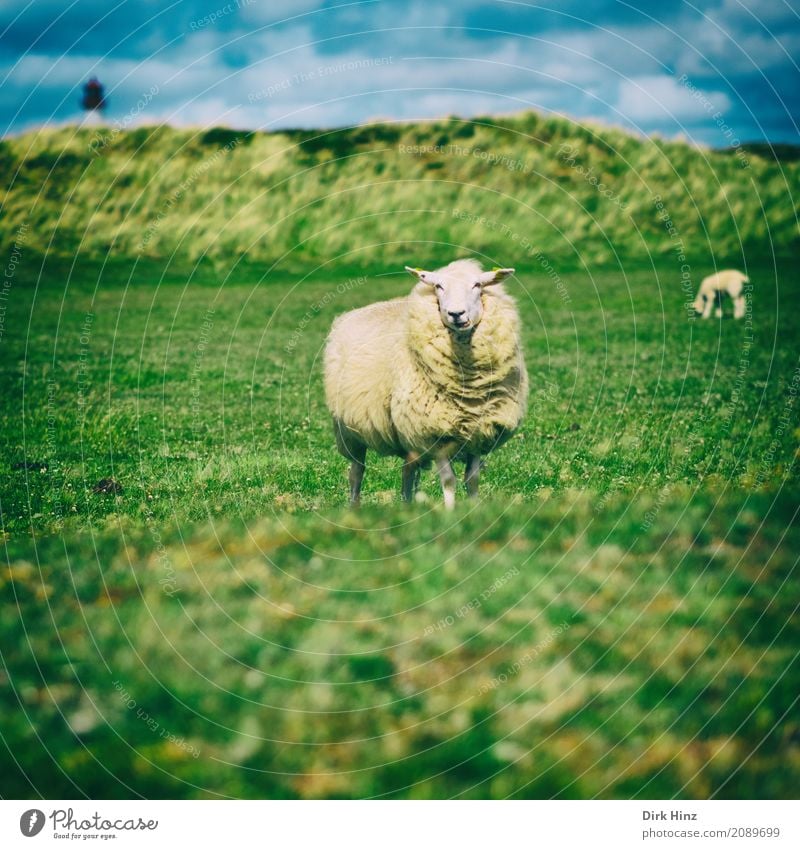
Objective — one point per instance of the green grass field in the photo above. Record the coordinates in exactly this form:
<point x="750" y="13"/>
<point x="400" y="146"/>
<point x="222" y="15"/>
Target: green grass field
<point x="617" y="617"/>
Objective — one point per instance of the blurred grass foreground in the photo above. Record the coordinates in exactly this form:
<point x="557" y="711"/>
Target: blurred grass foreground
<point x="191" y="610"/>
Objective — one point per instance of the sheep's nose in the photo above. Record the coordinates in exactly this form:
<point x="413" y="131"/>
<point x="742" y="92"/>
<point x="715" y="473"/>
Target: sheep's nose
<point x="456" y="315"/>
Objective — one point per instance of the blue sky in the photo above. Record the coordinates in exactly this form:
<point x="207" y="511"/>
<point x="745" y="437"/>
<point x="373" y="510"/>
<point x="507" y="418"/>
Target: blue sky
<point x="711" y="71"/>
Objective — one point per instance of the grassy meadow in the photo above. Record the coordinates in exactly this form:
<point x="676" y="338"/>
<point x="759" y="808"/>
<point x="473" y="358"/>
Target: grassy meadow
<point x="191" y="610"/>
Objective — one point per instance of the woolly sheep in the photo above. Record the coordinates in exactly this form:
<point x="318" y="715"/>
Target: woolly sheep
<point x="715" y="287"/>
<point x="436" y="375"/>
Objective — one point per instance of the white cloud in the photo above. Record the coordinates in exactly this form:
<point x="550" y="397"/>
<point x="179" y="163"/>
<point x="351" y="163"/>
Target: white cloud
<point x="660" y="99"/>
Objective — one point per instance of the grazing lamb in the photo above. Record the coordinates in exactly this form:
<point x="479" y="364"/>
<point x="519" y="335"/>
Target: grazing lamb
<point x="715" y="287"/>
<point x="437" y="375"/>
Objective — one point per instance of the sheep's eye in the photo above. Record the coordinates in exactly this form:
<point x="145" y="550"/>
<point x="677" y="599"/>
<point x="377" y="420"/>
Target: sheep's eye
<point x="477" y="286"/>
<point x="439" y="287"/>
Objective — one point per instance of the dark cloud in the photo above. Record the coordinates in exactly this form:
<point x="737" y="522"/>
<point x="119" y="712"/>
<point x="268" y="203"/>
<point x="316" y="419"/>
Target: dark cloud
<point x="651" y="66"/>
<point x="123" y="29"/>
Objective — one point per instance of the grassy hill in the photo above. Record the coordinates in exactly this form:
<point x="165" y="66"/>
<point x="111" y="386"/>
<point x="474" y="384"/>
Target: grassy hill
<point x="393" y="193"/>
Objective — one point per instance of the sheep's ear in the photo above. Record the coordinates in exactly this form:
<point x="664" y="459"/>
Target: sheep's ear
<point x="489" y="278"/>
<point x="425" y="276"/>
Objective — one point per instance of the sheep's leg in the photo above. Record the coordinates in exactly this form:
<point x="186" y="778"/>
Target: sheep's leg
<point x="708" y="307"/>
<point x="738" y="307"/>
<point x="448" y="478"/>
<point x="472" y="475"/>
<point x="356" y="476"/>
<point x="410" y="476"/>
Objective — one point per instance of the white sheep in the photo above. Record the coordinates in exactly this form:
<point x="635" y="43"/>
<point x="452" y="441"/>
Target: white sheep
<point x="715" y="287"/>
<point x="436" y="375"/>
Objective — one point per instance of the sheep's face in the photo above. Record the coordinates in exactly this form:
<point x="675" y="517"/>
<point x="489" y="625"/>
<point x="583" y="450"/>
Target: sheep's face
<point x="459" y="293"/>
<point x="699" y="303"/>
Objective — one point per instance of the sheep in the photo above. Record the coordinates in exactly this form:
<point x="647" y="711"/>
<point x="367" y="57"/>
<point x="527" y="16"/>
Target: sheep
<point x="715" y="287"/>
<point x="437" y="375"/>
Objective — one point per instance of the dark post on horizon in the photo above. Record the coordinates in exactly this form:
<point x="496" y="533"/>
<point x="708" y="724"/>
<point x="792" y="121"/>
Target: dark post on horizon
<point x="93" y="96"/>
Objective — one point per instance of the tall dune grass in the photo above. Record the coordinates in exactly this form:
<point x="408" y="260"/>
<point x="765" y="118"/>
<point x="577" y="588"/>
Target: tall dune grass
<point x="507" y="188"/>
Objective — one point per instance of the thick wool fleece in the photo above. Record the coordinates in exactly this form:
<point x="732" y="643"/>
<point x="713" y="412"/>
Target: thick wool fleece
<point x="398" y="381"/>
<point x="730" y="281"/>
